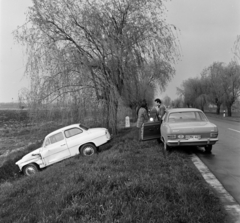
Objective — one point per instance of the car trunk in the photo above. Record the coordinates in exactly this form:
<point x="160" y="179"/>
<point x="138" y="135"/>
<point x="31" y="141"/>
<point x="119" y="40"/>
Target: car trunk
<point x="191" y="128"/>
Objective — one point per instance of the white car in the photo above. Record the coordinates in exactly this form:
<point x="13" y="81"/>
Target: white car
<point x="62" y="144"/>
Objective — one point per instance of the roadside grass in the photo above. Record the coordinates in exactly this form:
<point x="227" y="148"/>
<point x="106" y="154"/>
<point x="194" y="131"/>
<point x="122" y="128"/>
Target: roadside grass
<point x="129" y="182"/>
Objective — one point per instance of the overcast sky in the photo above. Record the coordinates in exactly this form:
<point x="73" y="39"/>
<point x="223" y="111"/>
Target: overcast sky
<point x="208" y="29"/>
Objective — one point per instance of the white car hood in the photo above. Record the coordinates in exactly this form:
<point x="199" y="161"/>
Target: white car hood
<point x="29" y="156"/>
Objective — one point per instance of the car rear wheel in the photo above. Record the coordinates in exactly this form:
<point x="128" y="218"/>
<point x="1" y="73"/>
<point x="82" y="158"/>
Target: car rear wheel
<point x="167" y="148"/>
<point x="208" y="148"/>
<point x="88" y="150"/>
<point x="30" y="169"/>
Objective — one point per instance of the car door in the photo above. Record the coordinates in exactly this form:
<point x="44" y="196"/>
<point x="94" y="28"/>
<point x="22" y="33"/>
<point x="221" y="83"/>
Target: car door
<point x="151" y="130"/>
<point x="75" y="137"/>
<point x="55" y="149"/>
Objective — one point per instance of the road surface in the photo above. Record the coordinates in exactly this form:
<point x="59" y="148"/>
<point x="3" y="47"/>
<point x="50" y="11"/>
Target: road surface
<point x="224" y="162"/>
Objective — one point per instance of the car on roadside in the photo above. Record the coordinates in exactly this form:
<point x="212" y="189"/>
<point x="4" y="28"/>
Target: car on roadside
<point x="62" y="144"/>
<point x="183" y="127"/>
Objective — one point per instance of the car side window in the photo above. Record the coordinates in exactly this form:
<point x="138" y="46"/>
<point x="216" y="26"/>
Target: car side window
<point x="202" y="116"/>
<point x="56" y="138"/>
<point x="47" y="142"/>
<point x="72" y="132"/>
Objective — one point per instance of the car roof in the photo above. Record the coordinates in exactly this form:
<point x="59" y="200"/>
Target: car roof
<point x="183" y="110"/>
<point x="63" y="129"/>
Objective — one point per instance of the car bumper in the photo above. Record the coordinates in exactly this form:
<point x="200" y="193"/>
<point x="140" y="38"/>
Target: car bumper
<point x="198" y="142"/>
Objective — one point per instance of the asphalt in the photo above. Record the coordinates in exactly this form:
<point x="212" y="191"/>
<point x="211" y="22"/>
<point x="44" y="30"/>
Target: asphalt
<point x="221" y="169"/>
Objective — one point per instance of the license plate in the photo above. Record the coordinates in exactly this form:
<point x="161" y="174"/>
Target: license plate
<point x="193" y="137"/>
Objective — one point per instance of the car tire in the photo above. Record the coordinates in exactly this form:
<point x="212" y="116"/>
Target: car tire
<point x="208" y="148"/>
<point x="168" y="148"/>
<point x="88" y="149"/>
<point x="159" y="141"/>
<point x="30" y="169"/>
<point x="165" y="146"/>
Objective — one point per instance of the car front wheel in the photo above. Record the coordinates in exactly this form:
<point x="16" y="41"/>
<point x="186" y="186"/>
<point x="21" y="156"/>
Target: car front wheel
<point x="88" y="150"/>
<point x="30" y="169"/>
<point x="208" y="148"/>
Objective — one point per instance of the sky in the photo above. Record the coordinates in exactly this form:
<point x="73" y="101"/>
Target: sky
<point x="207" y="30"/>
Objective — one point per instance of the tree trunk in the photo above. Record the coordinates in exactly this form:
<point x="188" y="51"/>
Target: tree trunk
<point x="134" y="114"/>
<point x="229" y="109"/>
<point x="112" y="108"/>
<point x="218" y="109"/>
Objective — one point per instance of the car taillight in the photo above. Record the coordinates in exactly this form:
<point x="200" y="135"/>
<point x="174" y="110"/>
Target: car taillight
<point x="213" y="135"/>
<point x="172" y="136"/>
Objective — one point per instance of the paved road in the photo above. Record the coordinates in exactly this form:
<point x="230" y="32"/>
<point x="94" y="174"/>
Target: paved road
<point x="224" y="162"/>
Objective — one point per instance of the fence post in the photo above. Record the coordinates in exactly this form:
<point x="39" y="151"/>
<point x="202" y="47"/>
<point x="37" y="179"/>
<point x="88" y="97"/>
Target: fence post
<point x="127" y="122"/>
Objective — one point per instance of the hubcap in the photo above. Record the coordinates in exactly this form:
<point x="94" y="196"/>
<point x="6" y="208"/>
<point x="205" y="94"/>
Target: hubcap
<point x="88" y="151"/>
<point x="30" y="170"/>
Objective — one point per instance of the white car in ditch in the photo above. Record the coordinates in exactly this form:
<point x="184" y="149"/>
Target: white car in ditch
<point x="62" y="144"/>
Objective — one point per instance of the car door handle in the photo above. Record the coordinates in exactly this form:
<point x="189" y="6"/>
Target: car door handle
<point x="63" y="144"/>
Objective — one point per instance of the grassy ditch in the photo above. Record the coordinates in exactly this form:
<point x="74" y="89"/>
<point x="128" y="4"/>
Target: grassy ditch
<point x="130" y="182"/>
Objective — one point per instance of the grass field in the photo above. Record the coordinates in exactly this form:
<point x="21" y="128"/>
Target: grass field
<point x="128" y="181"/>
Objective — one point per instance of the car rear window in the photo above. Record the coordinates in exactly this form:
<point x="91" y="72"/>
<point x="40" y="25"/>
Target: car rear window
<point x="187" y="116"/>
<point x="72" y="132"/>
<point x="56" y="138"/>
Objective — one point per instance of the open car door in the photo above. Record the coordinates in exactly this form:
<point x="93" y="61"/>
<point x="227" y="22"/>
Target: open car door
<point x="151" y="130"/>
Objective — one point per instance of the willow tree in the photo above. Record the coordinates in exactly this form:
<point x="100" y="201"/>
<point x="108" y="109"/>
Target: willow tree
<point x="95" y="44"/>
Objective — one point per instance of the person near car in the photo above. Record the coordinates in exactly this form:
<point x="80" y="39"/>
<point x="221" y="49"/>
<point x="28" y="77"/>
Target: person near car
<point x="161" y="109"/>
<point x="142" y="115"/>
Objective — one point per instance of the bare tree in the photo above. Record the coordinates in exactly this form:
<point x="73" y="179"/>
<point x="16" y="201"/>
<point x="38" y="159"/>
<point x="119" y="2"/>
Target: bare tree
<point x="167" y="101"/>
<point x="231" y="85"/>
<point x="194" y="92"/>
<point x="212" y="78"/>
<point x="177" y="103"/>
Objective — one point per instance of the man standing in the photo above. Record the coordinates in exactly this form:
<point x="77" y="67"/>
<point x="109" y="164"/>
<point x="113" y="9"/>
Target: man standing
<point x="161" y="109"/>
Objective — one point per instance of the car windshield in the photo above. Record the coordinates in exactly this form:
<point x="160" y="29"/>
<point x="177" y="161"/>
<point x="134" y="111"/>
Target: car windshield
<point x="84" y="127"/>
<point x="188" y="116"/>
